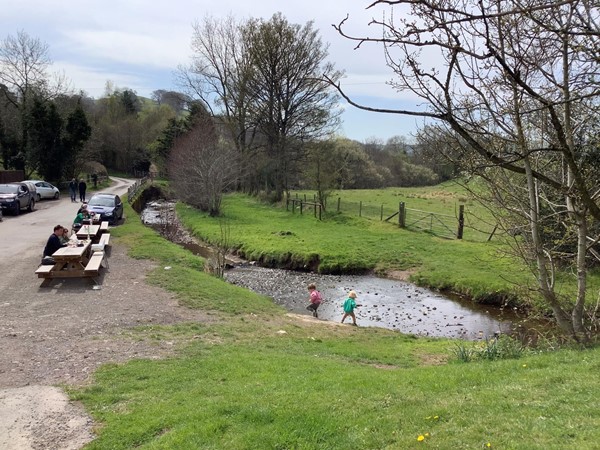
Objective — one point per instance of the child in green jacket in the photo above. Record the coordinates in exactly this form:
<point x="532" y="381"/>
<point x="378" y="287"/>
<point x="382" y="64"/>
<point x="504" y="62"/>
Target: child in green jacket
<point x="349" y="306"/>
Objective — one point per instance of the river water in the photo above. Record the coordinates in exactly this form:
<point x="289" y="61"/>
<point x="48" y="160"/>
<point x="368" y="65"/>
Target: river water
<point x="386" y="303"/>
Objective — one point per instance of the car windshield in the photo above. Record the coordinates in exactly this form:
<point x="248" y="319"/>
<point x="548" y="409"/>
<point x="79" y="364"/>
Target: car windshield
<point x="9" y="189"/>
<point x="102" y="201"/>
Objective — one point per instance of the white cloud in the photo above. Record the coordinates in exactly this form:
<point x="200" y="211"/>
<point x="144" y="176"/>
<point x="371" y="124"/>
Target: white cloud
<point x="93" y="81"/>
<point x="150" y="51"/>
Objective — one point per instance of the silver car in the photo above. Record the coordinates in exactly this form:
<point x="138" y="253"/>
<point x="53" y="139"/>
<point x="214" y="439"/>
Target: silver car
<point x="44" y="190"/>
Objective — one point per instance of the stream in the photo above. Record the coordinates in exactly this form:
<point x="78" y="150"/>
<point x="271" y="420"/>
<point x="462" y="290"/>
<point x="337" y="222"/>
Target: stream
<point x="386" y="303"/>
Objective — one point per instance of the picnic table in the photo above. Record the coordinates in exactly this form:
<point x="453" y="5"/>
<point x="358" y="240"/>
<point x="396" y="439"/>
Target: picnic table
<point x="73" y="261"/>
<point x="88" y="230"/>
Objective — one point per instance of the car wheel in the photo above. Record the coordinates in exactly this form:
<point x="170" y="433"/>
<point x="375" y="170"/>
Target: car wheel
<point x="39" y="197"/>
<point x="56" y="195"/>
<point x="31" y="205"/>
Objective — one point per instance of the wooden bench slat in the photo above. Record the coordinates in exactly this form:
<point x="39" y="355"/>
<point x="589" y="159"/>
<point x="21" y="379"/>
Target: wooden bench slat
<point x="105" y="239"/>
<point x="42" y="270"/>
<point x="95" y="262"/>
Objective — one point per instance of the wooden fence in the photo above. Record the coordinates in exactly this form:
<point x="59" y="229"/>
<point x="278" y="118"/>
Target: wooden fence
<point x="442" y="225"/>
<point x="135" y="188"/>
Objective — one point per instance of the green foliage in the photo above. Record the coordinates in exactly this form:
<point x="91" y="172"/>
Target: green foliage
<point x="503" y="347"/>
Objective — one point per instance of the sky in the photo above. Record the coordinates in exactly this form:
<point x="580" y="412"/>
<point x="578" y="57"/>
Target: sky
<point x="139" y="45"/>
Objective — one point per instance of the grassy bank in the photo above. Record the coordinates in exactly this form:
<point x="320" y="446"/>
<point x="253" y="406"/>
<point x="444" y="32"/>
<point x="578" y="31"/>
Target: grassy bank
<point x="257" y="379"/>
<point x="341" y="243"/>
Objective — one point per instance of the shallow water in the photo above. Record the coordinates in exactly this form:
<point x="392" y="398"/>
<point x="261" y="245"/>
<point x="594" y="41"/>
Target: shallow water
<point x="385" y="303"/>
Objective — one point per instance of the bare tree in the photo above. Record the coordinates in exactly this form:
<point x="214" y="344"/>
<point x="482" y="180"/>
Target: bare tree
<point x="515" y="82"/>
<point x="264" y="78"/>
<point x="24" y="65"/>
<point x="291" y="102"/>
<point x="202" y="166"/>
<point x="218" y="76"/>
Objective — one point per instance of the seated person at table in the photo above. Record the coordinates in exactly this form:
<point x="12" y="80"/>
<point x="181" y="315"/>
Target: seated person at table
<point x="82" y="208"/>
<point x="53" y="244"/>
<point x="81" y="216"/>
<point x="64" y="239"/>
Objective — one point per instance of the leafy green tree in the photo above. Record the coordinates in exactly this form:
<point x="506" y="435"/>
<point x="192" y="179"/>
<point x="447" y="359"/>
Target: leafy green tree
<point x="77" y="132"/>
<point x="45" y="149"/>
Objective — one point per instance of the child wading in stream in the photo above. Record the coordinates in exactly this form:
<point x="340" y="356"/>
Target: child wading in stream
<point x="349" y="306"/>
<point x="315" y="299"/>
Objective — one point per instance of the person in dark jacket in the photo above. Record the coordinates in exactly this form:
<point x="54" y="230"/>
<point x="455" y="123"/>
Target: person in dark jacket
<point x="73" y="189"/>
<point x="53" y="244"/>
<point x="82" y="188"/>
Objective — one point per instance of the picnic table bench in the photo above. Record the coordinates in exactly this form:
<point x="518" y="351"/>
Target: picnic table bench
<point x="74" y="262"/>
<point x="93" y="266"/>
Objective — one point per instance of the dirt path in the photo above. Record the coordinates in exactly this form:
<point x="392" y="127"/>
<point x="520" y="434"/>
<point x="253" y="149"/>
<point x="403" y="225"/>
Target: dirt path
<point x="61" y="334"/>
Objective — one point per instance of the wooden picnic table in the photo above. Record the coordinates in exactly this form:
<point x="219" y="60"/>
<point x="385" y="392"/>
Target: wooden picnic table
<point x="70" y="262"/>
<point x="88" y="230"/>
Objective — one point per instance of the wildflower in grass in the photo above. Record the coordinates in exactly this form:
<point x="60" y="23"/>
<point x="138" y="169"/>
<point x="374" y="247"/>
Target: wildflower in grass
<point x="487" y="445"/>
<point x="436" y="417"/>
<point x="524" y="365"/>
<point x="421" y="438"/>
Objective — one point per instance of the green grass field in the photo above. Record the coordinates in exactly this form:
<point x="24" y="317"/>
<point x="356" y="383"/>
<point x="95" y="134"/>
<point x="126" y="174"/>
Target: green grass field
<point x="255" y="378"/>
<point x="342" y="243"/>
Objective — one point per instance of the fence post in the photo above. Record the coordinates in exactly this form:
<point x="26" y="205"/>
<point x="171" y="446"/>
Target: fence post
<point x="339" y="201"/>
<point x="315" y="208"/>
<point x="320" y="209"/>
<point x="301" y="203"/>
<point x="287" y="204"/>
<point x="402" y="215"/>
<point x="360" y="209"/>
<point x="304" y="197"/>
<point x="461" y="221"/>
<point x="381" y="215"/>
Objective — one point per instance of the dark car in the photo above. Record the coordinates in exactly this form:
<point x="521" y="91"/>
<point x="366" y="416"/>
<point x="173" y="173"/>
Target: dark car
<point x="108" y="206"/>
<point x="16" y="196"/>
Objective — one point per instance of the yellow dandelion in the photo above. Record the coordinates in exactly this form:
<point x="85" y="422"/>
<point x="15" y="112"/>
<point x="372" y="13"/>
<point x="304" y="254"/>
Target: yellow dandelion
<point x="488" y="445"/>
<point x="421" y="438"/>
<point x="524" y="365"/>
<point x="436" y="417"/>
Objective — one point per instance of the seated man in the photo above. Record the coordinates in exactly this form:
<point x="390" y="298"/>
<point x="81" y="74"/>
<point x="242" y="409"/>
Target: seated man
<point x="53" y="244"/>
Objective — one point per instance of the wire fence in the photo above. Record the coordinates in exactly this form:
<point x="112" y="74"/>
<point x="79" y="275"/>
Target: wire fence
<point x="450" y="226"/>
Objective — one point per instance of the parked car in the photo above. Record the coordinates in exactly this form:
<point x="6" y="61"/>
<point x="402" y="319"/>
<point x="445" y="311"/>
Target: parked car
<point x="45" y="190"/>
<point x="16" y="196"/>
<point x="108" y="206"/>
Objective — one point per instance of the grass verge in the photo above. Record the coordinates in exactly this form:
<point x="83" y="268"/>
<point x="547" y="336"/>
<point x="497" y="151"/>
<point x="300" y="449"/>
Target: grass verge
<point x="258" y="379"/>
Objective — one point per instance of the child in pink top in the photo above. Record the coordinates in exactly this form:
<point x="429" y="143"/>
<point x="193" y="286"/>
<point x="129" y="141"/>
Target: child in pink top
<point x="315" y="299"/>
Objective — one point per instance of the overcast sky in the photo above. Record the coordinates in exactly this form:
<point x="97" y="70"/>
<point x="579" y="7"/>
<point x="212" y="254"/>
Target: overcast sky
<point x="139" y="44"/>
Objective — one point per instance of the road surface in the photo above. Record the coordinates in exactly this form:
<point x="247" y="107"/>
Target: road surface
<point x="26" y="234"/>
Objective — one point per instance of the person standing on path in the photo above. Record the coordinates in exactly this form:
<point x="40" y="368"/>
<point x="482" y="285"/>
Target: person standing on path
<point x="315" y="299"/>
<point x="349" y="306"/>
<point x="82" y="188"/>
<point x="73" y="190"/>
